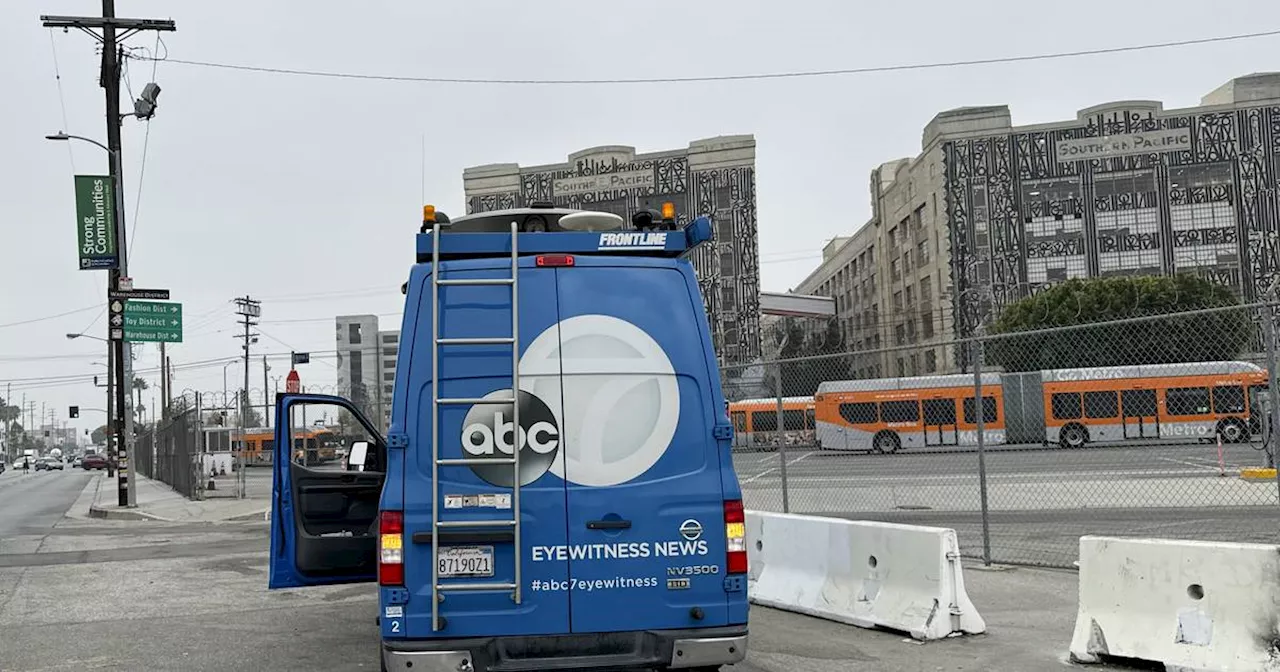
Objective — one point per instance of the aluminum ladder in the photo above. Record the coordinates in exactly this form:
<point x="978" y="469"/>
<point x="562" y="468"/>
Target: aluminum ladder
<point x="437" y="589"/>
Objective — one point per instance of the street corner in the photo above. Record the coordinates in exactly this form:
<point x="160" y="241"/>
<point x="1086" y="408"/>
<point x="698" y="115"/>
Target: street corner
<point x="116" y="512"/>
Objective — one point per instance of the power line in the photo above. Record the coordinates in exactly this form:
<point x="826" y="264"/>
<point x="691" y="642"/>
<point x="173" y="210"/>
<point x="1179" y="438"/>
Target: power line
<point x="724" y="78"/>
<point x="33" y="320"/>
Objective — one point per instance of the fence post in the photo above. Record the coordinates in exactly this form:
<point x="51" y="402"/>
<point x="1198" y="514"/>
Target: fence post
<point x="197" y="460"/>
<point x="979" y="412"/>
<point x="782" y="445"/>
<point x="1273" y="388"/>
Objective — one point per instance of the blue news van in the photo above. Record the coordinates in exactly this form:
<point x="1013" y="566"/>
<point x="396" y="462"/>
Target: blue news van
<point x="555" y="488"/>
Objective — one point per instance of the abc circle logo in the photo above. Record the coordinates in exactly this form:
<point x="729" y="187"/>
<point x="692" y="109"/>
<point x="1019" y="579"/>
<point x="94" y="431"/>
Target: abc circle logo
<point x="599" y="406"/>
<point x="488" y="431"/>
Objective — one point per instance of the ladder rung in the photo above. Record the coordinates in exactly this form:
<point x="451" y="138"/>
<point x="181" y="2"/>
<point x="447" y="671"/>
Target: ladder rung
<point x="474" y="461"/>
<point x="476" y="523"/>
<point x="476" y="281"/>
<point x="474" y="400"/>
<point x="492" y="340"/>
<point x="474" y="587"/>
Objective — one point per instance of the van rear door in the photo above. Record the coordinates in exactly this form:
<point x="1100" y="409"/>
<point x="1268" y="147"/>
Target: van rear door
<point x="646" y="541"/>
<point x="486" y="554"/>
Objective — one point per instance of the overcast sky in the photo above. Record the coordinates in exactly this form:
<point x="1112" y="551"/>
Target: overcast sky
<point x="305" y="192"/>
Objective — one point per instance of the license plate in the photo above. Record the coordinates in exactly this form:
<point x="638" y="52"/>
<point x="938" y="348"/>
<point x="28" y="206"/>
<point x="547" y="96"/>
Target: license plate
<point x="458" y="561"/>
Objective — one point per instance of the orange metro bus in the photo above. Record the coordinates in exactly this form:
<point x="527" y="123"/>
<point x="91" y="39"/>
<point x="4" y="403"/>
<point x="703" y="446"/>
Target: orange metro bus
<point x="755" y="422"/>
<point x="1066" y="407"/>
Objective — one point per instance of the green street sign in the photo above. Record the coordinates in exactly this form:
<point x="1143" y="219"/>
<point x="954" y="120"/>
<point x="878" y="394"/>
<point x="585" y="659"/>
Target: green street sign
<point x="96" y="222"/>
<point x="151" y="321"/>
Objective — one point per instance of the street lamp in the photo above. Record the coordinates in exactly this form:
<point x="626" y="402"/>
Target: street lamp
<point x="124" y="356"/>
<point x="72" y="337"/>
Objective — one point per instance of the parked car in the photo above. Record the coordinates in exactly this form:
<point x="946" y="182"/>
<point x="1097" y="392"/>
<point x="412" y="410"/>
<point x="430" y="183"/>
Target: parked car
<point x="94" y="461"/>
<point x="54" y="463"/>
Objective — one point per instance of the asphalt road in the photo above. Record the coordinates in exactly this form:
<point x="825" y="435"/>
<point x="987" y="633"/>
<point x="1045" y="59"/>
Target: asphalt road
<point x="91" y="594"/>
<point x="1040" y="500"/>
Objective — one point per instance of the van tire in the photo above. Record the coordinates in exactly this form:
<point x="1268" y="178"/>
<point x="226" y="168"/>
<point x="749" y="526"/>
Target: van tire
<point x="886" y="442"/>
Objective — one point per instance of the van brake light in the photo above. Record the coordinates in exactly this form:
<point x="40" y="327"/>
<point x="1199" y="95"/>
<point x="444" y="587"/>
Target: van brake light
<point x="391" y="548"/>
<point x="735" y="532"/>
<point x="554" y="260"/>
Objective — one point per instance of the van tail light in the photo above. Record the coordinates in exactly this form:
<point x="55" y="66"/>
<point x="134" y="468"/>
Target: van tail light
<point x="735" y="532"/>
<point x="391" y="548"/>
<point x="554" y="260"/>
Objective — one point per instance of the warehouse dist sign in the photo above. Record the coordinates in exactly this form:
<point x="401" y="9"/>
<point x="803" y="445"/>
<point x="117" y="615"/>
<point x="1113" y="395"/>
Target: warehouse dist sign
<point x="590" y="184"/>
<point x="96" y="222"/>
<point x="1108" y="146"/>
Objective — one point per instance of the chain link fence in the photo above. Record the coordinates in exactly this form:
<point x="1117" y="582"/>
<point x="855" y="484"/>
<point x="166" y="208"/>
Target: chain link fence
<point x="169" y="450"/>
<point x="1151" y="426"/>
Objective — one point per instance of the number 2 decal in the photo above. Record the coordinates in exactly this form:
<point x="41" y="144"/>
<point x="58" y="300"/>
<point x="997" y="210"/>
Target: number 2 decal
<point x="395" y="626"/>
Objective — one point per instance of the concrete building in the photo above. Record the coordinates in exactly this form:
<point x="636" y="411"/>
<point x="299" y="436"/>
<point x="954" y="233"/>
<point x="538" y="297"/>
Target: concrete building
<point x="366" y="364"/>
<point x="714" y="177"/>
<point x="989" y="213"/>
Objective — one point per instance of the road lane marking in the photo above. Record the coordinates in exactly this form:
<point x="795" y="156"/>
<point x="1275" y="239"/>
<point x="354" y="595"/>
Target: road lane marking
<point x="770" y="470"/>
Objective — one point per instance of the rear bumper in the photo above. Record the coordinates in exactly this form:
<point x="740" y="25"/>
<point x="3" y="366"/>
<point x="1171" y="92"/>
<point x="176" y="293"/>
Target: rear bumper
<point x="674" y="649"/>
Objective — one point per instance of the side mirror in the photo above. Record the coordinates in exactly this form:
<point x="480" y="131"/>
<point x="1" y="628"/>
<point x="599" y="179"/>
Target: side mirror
<point x="356" y="456"/>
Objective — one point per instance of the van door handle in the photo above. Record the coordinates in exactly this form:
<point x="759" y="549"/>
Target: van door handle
<point x="608" y="525"/>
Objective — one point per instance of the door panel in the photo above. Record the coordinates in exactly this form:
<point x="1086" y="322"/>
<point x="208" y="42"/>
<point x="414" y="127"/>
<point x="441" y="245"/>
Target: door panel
<point x="1139" y="409"/>
<point x="476" y="371"/>
<point x="646" y="509"/>
<point x="940" y="427"/>
<point x="323" y="518"/>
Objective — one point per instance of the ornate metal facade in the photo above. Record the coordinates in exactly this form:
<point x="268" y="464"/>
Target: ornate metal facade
<point x="728" y="268"/>
<point x="1020" y="219"/>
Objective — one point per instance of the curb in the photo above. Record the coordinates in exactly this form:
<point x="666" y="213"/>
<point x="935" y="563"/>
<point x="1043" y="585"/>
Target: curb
<point x="96" y="511"/>
<point x="1256" y="474"/>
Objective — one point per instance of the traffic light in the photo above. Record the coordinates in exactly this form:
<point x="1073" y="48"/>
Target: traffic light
<point x="74" y="412"/>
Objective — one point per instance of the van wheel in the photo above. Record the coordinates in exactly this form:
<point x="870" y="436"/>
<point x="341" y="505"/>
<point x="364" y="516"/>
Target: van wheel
<point x="1232" y="431"/>
<point x="886" y="442"/>
<point x="1073" y="436"/>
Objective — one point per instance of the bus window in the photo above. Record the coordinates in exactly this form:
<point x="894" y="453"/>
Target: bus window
<point x="269" y="445"/>
<point x="764" y="421"/>
<point x="792" y="421"/>
<point x="810" y="418"/>
<point x="939" y="412"/>
<point x="900" y="411"/>
<point x="1187" y="400"/>
<point x="1066" y="406"/>
<point x="862" y="413"/>
<point x="1228" y="399"/>
<point x="1138" y="403"/>
<point x="739" y="421"/>
<point x="1101" y="405"/>
<point x="988" y="410"/>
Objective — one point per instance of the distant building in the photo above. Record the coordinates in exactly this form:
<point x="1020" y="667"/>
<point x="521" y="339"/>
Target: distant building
<point x="989" y="213"/>
<point x="367" y="365"/>
<point x="714" y="177"/>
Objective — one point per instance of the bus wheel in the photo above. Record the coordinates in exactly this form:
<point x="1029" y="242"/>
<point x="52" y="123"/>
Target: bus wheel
<point x="886" y="442"/>
<point x="1232" y="431"/>
<point x="1074" y="436"/>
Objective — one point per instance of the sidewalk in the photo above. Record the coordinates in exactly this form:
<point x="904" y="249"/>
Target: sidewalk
<point x="157" y="501"/>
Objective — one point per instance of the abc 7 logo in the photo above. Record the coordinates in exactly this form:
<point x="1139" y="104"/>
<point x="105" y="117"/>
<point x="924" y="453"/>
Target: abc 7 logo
<point x="489" y="432"/>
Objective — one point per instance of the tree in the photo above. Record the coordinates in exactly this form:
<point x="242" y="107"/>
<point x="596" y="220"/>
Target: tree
<point x="99" y="435"/>
<point x="1213" y="336"/>
<point x="801" y="378"/>
<point x="8" y="413"/>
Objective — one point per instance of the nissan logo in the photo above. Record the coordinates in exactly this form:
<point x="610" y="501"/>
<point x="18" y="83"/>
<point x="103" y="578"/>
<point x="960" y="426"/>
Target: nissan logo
<point x="691" y="529"/>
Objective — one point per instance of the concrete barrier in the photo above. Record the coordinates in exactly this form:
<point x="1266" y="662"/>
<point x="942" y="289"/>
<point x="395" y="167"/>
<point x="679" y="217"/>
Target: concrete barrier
<point x="871" y="575"/>
<point x="1191" y="605"/>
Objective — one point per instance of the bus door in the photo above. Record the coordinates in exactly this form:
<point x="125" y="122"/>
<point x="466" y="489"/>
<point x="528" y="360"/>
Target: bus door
<point x="940" y="427"/>
<point x="1140" y="418"/>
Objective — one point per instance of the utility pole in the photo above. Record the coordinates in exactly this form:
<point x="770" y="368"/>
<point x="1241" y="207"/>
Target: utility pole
<point x="111" y="415"/>
<point x="247" y="309"/>
<point x="112" y="54"/>
<point x="164" y="385"/>
<point x="266" y="405"/>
